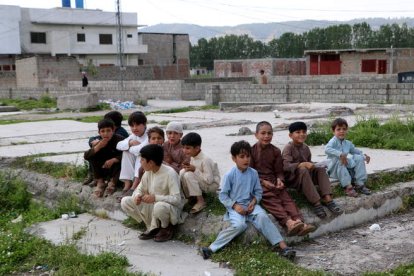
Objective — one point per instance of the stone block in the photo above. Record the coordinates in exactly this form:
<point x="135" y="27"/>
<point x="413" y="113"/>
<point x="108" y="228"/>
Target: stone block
<point x="78" y="101"/>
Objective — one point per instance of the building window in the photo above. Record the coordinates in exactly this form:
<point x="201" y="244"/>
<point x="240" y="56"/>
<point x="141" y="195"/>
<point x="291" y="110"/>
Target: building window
<point x="38" y="37"/>
<point x="368" y="65"/>
<point x="81" y="38"/>
<point x="236" y="67"/>
<point x="129" y="35"/>
<point x="105" y="39"/>
<point x="140" y="62"/>
<point x="106" y="64"/>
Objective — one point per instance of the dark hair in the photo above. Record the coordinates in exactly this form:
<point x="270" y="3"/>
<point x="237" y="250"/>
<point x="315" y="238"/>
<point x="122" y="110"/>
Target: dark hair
<point x="115" y="116"/>
<point x="339" y="122"/>
<point x="104" y="123"/>
<point x="191" y="139"/>
<point x="297" y="126"/>
<point x="156" y="130"/>
<point x="262" y="123"/>
<point x="261" y="71"/>
<point x="241" y="147"/>
<point x="137" y="118"/>
<point x="153" y="152"/>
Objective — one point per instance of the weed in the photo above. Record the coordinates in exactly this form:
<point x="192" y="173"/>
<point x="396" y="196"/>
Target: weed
<point x="45" y="101"/>
<point x="101" y="213"/>
<point x="21" y="252"/>
<point x="368" y="132"/>
<point x="100" y="106"/>
<point x="214" y="206"/>
<point x="81" y="233"/>
<point x="132" y="223"/>
<point x="164" y="122"/>
<point x="57" y="170"/>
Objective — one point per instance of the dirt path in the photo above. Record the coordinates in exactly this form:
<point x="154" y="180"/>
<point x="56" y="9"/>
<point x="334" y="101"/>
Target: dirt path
<point x="357" y="250"/>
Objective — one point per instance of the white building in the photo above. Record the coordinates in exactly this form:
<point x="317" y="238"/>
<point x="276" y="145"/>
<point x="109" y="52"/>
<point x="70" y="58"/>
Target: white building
<point x="88" y="35"/>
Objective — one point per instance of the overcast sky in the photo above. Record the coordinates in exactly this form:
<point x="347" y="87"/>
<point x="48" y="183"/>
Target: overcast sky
<point x="234" y="12"/>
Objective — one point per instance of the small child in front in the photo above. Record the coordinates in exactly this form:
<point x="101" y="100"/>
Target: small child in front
<point x="267" y="160"/>
<point x="104" y="157"/>
<point x="130" y="148"/>
<point x="302" y="174"/>
<point x="347" y="163"/>
<point x="200" y="175"/>
<point x="173" y="150"/>
<point x="241" y="194"/>
<point x="157" y="200"/>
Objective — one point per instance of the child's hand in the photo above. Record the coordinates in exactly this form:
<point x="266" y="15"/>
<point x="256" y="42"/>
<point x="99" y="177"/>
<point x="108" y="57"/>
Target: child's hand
<point x="307" y="165"/>
<point x="367" y="158"/>
<point x="148" y="198"/>
<point x="239" y="209"/>
<point x="269" y="185"/>
<point x="344" y="159"/>
<point x="250" y="208"/>
<point x="108" y="164"/>
<point x="95" y="142"/>
<point x="168" y="159"/>
<point x="138" y="200"/>
<point x="132" y="143"/>
<point x="102" y="143"/>
<point x="279" y="184"/>
<point x="188" y="168"/>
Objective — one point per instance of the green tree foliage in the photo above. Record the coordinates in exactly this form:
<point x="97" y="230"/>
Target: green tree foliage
<point x="292" y="45"/>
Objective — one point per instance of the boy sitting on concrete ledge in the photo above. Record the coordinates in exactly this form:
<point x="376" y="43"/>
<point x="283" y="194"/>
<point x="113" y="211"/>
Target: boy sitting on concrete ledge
<point x="157" y="201"/>
<point x="105" y="158"/>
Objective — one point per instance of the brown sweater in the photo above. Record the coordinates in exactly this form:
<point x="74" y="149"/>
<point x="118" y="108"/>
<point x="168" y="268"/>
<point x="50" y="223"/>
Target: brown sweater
<point x="177" y="155"/>
<point x="293" y="155"/>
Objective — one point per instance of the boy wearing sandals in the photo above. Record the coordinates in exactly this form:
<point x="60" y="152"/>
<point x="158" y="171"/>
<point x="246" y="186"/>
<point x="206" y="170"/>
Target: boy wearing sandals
<point x="130" y="148"/>
<point x="200" y="175"/>
<point x="347" y="163"/>
<point x="302" y="174"/>
<point x="104" y="157"/>
<point x="157" y="201"/>
<point x="241" y="194"/>
<point x="267" y="160"/>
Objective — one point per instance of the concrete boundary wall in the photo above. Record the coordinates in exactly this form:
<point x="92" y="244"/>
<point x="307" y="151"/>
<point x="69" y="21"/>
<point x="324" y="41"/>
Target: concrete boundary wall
<point x="336" y="93"/>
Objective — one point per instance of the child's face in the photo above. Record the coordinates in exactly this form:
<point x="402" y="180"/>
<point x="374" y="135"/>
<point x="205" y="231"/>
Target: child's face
<point x="264" y="135"/>
<point x="156" y="139"/>
<point x="174" y="137"/>
<point x="340" y="131"/>
<point x="138" y="130"/>
<point x="106" y="132"/>
<point x="242" y="160"/>
<point x="299" y="136"/>
<point x="147" y="165"/>
<point x="191" y="151"/>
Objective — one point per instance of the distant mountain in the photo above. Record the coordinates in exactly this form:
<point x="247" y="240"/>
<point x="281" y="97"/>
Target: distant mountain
<point x="265" y="31"/>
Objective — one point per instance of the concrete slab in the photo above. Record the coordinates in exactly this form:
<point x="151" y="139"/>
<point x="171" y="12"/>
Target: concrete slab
<point x="101" y="235"/>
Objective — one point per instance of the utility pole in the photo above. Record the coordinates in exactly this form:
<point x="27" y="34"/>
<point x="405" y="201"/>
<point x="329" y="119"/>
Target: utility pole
<point x="120" y="46"/>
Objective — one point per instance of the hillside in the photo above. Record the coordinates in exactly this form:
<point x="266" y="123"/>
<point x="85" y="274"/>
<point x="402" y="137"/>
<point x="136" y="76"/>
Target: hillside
<point x="266" y="31"/>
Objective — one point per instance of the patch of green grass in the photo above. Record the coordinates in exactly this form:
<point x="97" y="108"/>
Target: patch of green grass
<point x="402" y="270"/>
<point x="395" y="134"/>
<point x="214" y="206"/>
<point x="45" y="101"/>
<point x="87" y="119"/>
<point x="57" y="170"/>
<point x="21" y="252"/>
<point x="164" y="122"/>
<point x="256" y="259"/>
<point x="132" y="223"/>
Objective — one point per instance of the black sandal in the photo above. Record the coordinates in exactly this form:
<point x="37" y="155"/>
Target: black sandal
<point x="319" y="211"/>
<point x="333" y="207"/>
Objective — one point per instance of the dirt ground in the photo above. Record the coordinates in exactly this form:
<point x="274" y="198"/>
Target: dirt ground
<point x="357" y="250"/>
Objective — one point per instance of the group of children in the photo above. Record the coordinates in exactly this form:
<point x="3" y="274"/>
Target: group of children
<point x="158" y="184"/>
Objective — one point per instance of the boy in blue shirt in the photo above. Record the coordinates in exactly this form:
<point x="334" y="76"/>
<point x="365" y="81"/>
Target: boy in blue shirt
<point x="346" y="162"/>
<point x="240" y="194"/>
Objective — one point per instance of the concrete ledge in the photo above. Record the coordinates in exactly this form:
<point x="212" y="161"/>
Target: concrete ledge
<point x="229" y="105"/>
<point x="77" y="101"/>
